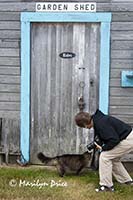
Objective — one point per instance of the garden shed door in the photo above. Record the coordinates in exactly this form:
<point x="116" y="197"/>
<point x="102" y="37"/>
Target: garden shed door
<point x="64" y="72"/>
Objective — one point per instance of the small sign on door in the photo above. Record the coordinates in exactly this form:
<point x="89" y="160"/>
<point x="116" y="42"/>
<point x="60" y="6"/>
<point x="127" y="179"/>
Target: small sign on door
<point x="66" y="7"/>
<point x="67" y="55"/>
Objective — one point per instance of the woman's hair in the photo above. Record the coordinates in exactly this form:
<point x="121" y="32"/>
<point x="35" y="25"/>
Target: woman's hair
<point x="82" y="119"/>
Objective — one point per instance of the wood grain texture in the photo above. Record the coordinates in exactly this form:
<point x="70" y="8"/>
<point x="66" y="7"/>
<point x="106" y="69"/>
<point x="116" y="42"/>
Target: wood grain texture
<point x="10" y="133"/>
<point x="55" y="85"/>
<point x="121" y="59"/>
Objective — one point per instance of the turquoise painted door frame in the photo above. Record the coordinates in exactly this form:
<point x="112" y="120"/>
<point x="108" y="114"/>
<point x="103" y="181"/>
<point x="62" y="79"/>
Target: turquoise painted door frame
<point x="29" y="17"/>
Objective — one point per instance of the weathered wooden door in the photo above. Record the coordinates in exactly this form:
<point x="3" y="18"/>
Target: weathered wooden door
<point x="64" y="69"/>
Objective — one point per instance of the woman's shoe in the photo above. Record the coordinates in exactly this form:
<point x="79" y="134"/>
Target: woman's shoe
<point x="103" y="188"/>
<point x="129" y="182"/>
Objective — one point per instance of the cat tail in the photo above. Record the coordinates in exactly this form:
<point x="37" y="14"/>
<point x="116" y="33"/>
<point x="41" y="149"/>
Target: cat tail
<point x="47" y="160"/>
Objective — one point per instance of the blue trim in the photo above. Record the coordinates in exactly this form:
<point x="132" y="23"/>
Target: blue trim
<point x="65" y="17"/>
<point x="25" y="90"/>
<point x="104" y="67"/>
<point x="127" y="78"/>
<point x="26" y="19"/>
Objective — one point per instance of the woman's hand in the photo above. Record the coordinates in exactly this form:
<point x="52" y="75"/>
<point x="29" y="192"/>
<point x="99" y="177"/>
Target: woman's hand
<point x="98" y="146"/>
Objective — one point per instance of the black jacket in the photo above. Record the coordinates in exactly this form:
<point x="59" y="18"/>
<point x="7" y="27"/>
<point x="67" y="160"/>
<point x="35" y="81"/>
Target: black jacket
<point x="109" y="129"/>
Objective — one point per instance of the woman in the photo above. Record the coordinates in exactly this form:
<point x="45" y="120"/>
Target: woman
<point x="117" y="140"/>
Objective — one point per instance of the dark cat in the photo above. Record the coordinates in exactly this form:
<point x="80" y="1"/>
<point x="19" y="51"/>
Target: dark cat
<point x="67" y="162"/>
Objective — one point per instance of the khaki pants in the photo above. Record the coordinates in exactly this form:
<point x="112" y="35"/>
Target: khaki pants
<point x="110" y="164"/>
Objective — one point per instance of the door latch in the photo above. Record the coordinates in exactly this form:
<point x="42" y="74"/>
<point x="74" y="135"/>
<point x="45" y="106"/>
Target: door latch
<point x="81" y="103"/>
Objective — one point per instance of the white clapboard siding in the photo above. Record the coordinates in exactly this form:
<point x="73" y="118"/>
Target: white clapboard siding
<point x="121" y="99"/>
<point x="9" y="16"/>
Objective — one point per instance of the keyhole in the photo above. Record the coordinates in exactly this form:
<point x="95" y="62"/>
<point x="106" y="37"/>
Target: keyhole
<point x="91" y="82"/>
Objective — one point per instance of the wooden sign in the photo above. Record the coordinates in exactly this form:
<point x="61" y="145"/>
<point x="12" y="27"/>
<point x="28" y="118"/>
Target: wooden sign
<point x="66" y="7"/>
<point x="67" y="55"/>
